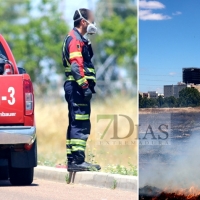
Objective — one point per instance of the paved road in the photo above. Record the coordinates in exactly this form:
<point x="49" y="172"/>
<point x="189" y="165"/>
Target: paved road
<point x="47" y="190"/>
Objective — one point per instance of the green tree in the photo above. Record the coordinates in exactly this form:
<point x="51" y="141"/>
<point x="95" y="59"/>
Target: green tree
<point x="160" y="101"/>
<point x="122" y="8"/>
<point x="140" y="101"/>
<point x="118" y="35"/>
<point x="170" y="102"/>
<point x="148" y="103"/>
<point x="35" y="36"/>
<point x="119" y="38"/>
<point x="189" y="97"/>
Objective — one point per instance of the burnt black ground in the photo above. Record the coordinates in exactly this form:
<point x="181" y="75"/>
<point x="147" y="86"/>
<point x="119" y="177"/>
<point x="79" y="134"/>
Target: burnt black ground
<point x="183" y="128"/>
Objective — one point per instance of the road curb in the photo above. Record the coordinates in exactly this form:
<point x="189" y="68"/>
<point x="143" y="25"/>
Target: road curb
<point x="98" y="179"/>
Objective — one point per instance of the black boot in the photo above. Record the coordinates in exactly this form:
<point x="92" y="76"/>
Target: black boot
<point x="74" y="167"/>
<point x="95" y="166"/>
<point x="69" y="160"/>
<point x="84" y="166"/>
<point x="79" y="163"/>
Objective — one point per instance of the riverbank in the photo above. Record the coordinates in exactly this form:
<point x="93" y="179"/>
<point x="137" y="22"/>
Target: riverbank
<point x="169" y="110"/>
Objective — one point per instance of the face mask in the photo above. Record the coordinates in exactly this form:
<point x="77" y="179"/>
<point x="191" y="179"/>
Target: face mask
<point x="91" y="29"/>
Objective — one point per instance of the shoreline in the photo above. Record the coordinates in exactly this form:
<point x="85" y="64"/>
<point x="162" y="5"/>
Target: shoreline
<point x="169" y="110"/>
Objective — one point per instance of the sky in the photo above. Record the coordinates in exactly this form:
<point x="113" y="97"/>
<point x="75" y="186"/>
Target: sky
<point x="69" y="7"/>
<point x="169" y="40"/>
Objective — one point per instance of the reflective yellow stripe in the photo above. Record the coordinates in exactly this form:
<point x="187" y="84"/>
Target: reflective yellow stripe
<point x="81" y="81"/>
<point x="74" y="148"/>
<point x="67" y="141"/>
<point x="81" y="117"/>
<point x="91" y="70"/>
<point x="64" y="47"/>
<point x="75" y="54"/>
<point x="90" y="77"/>
<point x="69" y="151"/>
<point x="78" y="142"/>
<point x="64" y="44"/>
<point x="64" y="51"/>
<point x="67" y="69"/>
<point x="70" y="78"/>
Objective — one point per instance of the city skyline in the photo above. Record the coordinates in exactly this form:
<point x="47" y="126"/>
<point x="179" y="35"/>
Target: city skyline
<point x="166" y="44"/>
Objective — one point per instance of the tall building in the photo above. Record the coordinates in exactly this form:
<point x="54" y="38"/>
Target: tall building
<point x="177" y="89"/>
<point x="168" y="90"/>
<point x="191" y="75"/>
<point x="173" y="90"/>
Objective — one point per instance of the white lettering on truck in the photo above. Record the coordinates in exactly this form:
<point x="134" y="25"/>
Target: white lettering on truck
<point x="2" y="114"/>
<point x="11" y="101"/>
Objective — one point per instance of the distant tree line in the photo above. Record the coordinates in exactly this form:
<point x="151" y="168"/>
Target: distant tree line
<point x="35" y="31"/>
<point x="188" y="97"/>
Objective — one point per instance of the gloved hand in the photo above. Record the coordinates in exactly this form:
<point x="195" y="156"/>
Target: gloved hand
<point x="92" y="85"/>
<point x="87" y="94"/>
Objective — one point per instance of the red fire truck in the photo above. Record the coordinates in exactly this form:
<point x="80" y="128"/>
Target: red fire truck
<point x="18" y="147"/>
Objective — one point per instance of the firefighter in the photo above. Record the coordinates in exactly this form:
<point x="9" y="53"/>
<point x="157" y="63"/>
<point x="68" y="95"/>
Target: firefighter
<point x="79" y="88"/>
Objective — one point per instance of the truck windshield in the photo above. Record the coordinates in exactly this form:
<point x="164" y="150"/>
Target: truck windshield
<point x="2" y="50"/>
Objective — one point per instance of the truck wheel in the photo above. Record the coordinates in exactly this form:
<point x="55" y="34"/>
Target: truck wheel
<point x="4" y="173"/>
<point x="21" y="176"/>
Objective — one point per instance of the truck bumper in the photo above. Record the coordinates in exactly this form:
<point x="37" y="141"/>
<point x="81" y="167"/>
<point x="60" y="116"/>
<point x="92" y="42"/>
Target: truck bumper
<point x="17" y="134"/>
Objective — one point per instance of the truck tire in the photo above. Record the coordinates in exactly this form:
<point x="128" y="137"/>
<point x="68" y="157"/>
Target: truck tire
<point x="21" y="176"/>
<point x="4" y="173"/>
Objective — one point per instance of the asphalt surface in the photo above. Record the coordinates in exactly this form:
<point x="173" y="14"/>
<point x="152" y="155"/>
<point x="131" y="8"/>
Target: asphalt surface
<point x="47" y="190"/>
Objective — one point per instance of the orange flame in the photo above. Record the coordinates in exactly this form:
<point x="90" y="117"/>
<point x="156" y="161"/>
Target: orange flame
<point x="192" y="193"/>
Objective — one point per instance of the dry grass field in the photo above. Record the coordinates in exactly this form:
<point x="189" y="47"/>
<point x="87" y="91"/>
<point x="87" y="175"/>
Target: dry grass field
<point x="52" y="122"/>
<point x="169" y="110"/>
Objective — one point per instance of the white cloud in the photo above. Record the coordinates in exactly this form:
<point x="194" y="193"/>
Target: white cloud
<point x="149" y="15"/>
<point x="151" y="4"/>
<point x="146" y="10"/>
<point x="172" y="73"/>
<point x="177" y="13"/>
